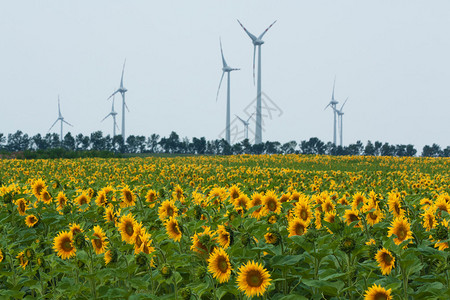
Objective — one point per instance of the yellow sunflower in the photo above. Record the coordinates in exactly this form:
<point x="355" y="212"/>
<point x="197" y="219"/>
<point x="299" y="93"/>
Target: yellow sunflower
<point x="377" y="293"/>
<point x="253" y="279"/>
<point x="151" y="197"/>
<point x="108" y="257"/>
<point x="297" y="227"/>
<point x="442" y="229"/>
<point x="82" y="200"/>
<point x="99" y="241"/>
<point x="257" y="199"/>
<point x="167" y="210"/>
<point x="61" y="200"/>
<point x="401" y="228"/>
<point x="142" y="241"/>
<point x="101" y="199"/>
<point x="234" y="192"/>
<point x="110" y="215"/>
<point x="385" y="261"/>
<point x="63" y="245"/>
<point x="23" y="261"/>
<point x="128" y="197"/>
<point x="271" y="238"/>
<point x="241" y="203"/>
<point x="328" y="205"/>
<point x="351" y="216"/>
<point x="442" y="205"/>
<point x="271" y="203"/>
<point x="219" y="265"/>
<point x="429" y="218"/>
<point x="46" y="197"/>
<point x="1" y="255"/>
<point x="38" y="187"/>
<point x="75" y="228"/>
<point x="22" y="206"/>
<point x="173" y="229"/>
<point x="223" y="237"/>
<point x="303" y="210"/>
<point x="374" y="217"/>
<point x="395" y="205"/>
<point x="178" y="193"/>
<point x="358" y="199"/>
<point x="31" y="220"/>
<point x="203" y="243"/>
<point x="127" y="226"/>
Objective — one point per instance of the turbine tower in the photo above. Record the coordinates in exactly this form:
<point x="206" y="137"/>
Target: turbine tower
<point x="113" y="115"/>
<point x="246" y="123"/>
<point x="257" y="42"/>
<point x="333" y="104"/>
<point x="60" y="118"/>
<point x="226" y="69"/>
<point x="122" y="90"/>
<point x="340" y="114"/>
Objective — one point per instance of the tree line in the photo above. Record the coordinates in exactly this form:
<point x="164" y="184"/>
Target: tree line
<point x="96" y="142"/>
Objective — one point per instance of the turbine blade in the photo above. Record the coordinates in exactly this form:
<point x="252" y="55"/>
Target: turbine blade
<point x="250" y="117"/>
<point x="67" y="123"/>
<point x="224" y="63"/>
<point x="220" y="83"/>
<point x="254" y="55"/>
<point x="112" y="94"/>
<point x="248" y="33"/>
<point x="262" y="34"/>
<point x="127" y="107"/>
<point x="334" y="83"/>
<point x="115" y="123"/>
<point x="53" y="124"/>
<point x="59" y="108"/>
<point x="343" y="104"/>
<point x="123" y="69"/>
<point x="240" y="119"/>
<point x="327" y="106"/>
<point x="105" y="117"/>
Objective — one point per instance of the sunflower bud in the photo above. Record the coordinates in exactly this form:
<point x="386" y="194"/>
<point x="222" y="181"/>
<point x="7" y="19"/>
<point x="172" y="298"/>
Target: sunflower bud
<point x="441" y="232"/>
<point x="200" y="273"/>
<point x="347" y="244"/>
<point x="166" y="271"/>
<point x="185" y="293"/>
<point x="67" y="210"/>
<point x="29" y="253"/>
<point x="141" y="259"/>
<point x="197" y="212"/>
<point x="100" y="210"/>
<point x="311" y="235"/>
<point x="79" y="241"/>
<point x="245" y="239"/>
<point x="206" y="296"/>
<point x="161" y="193"/>
<point x="80" y="264"/>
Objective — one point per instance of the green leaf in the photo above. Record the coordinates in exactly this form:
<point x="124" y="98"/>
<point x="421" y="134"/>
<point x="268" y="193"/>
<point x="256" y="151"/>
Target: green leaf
<point x="328" y="288"/>
<point x="285" y="260"/>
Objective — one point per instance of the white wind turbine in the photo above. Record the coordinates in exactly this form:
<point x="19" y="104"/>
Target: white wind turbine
<point x="113" y="115"/>
<point x="257" y="42"/>
<point x="226" y="69"/>
<point x="61" y="119"/>
<point x="333" y="103"/>
<point x="122" y="90"/>
<point x="246" y="123"/>
<point x="340" y="114"/>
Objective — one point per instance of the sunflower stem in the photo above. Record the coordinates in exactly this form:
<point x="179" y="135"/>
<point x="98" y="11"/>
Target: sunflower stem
<point x="91" y="269"/>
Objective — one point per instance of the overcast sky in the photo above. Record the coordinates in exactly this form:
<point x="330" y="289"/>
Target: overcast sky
<point x="390" y="57"/>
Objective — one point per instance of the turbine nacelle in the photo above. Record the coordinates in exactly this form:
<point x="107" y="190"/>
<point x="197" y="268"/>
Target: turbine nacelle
<point x="258" y="42"/>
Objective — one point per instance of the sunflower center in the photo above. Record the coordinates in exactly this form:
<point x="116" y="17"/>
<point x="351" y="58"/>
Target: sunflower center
<point x="401" y="233"/>
<point x="129" y="229"/>
<point x="170" y="211"/>
<point x="380" y="296"/>
<point x="299" y="229"/>
<point x="22" y="206"/>
<point x="353" y="218"/>
<point x="254" y="278"/>
<point x="303" y="214"/>
<point x="272" y="205"/>
<point x="387" y="259"/>
<point x="373" y="216"/>
<point x="222" y="264"/>
<point x="83" y="200"/>
<point x="97" y="242"/>
<point x="128" y="196"/>
<point x="66" y="245"/>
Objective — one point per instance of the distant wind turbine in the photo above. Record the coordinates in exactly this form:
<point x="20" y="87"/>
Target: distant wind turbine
<point x="257" y="42"/>
<point x="333" y="103"/>
<point x="60" y="118"/>
<point x="226" y="69"/>
<point x="113" y="115"/>
<point x="340" y="114"/>
<point x="122" y="90"/>
<point x="246" y="123"/>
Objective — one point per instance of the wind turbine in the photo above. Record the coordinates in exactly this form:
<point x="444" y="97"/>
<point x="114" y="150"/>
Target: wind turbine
<point x="113" y="115"/>
<point x="60" y="118"/>
<point x="340" y="114"/>
<point x="226" y="69"/>
<point x="333" y="103"/>
<point x="246" y="123"/>
<point x="122" y="90"/>
<point x="257" y="42"/>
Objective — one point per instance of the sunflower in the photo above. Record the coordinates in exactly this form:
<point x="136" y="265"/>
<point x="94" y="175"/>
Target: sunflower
<point x="302" y="210"/>
<point x="395" y="205"/>
<point x="61" y="200"/>
<point x="374" y="217"/>
<point x="22" y="206"/>
<point x="101" y="199"/>
<point x="31" y="220"/>
<point x="297" y="227"/>
<point x="38" y="187"/>
<point x="426" y="203"/>
<point x="167" y="210"/>
<point x="219" y="265"/>
<point x="1" y="255"/>
<point x="203" y="243"/>
<point x="241" y="203"/>
<point x="351" y="216"/>
<point x="108" y="257"/>
<point x="234" y="192"/>
<point x="257" y="199"/>
<point x="272" y="238"/>
<point x="99" y="241"/>
<point x="151" y="197"/>
<point x="401" y="228"/>
<point x="142" y="241"/>
<point x="178" y="193"/>
<point x="75" y="228"/>
<point x="441" y="234"/>
<point x="429" y="218"/>
<point x="253" y="279"/>
<point x="328" y="205"/>
<point x="217" y="195"/>
<point x="128" y="197"/>
<point x="127" y="226"/>
<point x="385" y="261"/>
<point x="271" y="203"/>
<point x="224" y="238"/>
<point x="110" y="215"/>
<point x="358" y="199"/>
<point x="63" y="245"/>
<point x="377" y="293"/>
<point x="173" y="229"/>
<point x="82" y="200"/>
<point x="330" y="217"/>
<point x="442" y="205"/>
<point x="46" y="197"/>
<point x="23" y="261"/>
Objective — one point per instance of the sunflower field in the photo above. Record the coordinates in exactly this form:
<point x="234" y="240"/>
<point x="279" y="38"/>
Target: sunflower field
<point x="225" y="227"/>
